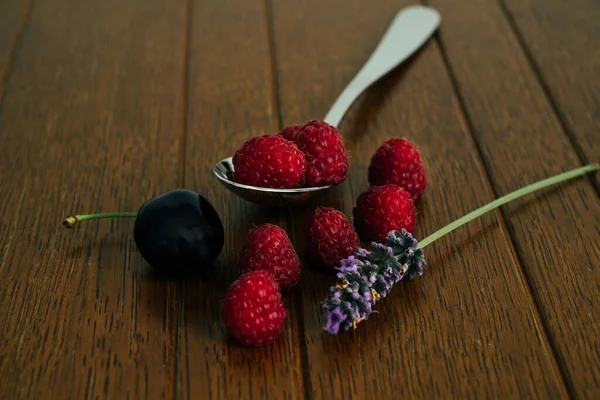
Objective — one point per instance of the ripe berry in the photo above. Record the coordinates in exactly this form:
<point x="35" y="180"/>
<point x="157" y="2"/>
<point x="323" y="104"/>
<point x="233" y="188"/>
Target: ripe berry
<point x="331" y="237"/>
<point x="268" y="248"/>
<point x="382" y="209"/>
<point x="397" y="161"/>
<point x="253" y="311"/>
<point x="177" y="231"/>
<point x="269" y="161"/>
<point x="326" y="157"/>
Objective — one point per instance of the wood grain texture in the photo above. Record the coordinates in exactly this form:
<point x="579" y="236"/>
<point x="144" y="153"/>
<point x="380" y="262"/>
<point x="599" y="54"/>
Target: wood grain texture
<point x="563" y="40"/>
<point x="13" y="17"/>
<point x="557" y="234"/>
<point x="91" y="122"/>
<point x="109" y="103"/>
<point x="230" y="101"/>
<point x="468" y="327"/>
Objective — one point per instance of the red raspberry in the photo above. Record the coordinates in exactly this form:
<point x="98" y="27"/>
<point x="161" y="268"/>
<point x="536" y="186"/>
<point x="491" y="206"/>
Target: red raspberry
<point x="269" y="161"/>
<point x="326" y="157"/>
<point x="331" y="237"/>
<point x="253" y="311"/>
<point x="382" y="209"/>
<point x="289" y="132"/>
<point x="398" y="161"/>
<point x="268" y="248"/>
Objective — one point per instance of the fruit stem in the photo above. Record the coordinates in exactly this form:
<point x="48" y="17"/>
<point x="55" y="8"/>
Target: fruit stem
<point x="72" y="220"/>
<point x="506" y="198"/>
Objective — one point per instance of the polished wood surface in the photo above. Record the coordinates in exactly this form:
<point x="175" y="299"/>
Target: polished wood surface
<point x="106" y="104"/>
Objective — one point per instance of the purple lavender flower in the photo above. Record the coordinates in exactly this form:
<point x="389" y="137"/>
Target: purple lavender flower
<point x="404" y="246"/>
<point x="367" y="277"/>
<point x="351" y="298"/>
<point x="334" y="319"/>
<point x="415" y="264"/>
<point x="400" y="241"/>
<point x="361" y="252"/>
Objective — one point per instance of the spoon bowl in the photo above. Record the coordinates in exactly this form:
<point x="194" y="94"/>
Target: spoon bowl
<point x="223" y="170"/>
<point x="409" y="30"/>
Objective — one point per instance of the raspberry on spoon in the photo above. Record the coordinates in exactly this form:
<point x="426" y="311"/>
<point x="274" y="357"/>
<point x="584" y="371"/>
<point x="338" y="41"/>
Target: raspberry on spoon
<point x="326" y="156"/>
<point x="269" y="161"/>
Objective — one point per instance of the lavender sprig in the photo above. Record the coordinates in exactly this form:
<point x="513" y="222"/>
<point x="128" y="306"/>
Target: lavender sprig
<point x="368" y="276"/>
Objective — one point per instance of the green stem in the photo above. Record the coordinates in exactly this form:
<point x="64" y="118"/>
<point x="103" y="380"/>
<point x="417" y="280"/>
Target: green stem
<point x="505" y="199"/>
<point x="72" y="220"/>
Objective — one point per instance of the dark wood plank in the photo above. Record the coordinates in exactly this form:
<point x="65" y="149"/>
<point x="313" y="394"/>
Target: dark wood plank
<point x="230" y="101"/>
<point x="557" y="235"/>
<point x="91" y="122"/>
<point x="563" y="40"/>
<point x="13" y="16"/>
<point x="467" y="328"/>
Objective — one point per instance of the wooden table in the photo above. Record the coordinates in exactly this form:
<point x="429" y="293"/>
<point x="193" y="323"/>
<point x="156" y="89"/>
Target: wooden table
<point x="107" y="103"/>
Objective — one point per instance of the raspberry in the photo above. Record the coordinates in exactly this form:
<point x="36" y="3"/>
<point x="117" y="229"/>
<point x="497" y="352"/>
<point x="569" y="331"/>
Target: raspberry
<point x="331" y="237"/>
<point x="397" y="161"/>
<point x="326" y="157"/>
<point x="382" y="209"/>
<point x="289" y="132"/>
<point x="253" y="311"/>
<point x="268" y="248"/>
<point x="269" y="161"/>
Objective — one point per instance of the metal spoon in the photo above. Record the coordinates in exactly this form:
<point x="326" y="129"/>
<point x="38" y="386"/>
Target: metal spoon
<point x="409" y="30"/>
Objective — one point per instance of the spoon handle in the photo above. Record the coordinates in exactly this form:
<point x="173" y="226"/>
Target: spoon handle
<point x="409" y="30"/>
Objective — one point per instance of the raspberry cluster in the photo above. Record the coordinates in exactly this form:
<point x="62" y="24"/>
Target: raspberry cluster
<point x="312" y="155"/>
<point x="253" y="310"/>
<point x="307" y="155"/>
